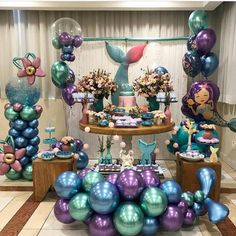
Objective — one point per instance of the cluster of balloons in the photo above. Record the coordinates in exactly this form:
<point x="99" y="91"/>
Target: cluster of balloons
<point x="67" y="36"/>
<point x="132" y="203"/>
<point x="199" y="57"/>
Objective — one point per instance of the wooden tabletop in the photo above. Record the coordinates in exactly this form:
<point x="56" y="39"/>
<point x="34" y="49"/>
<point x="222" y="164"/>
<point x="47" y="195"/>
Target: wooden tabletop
<point x="141" y="130"/>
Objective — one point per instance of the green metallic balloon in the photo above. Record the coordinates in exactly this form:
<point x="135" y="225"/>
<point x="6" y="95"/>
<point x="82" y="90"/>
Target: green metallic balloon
<point x="28" y="113"/>
<point x="13" y="175"/>
<point x="199" y="196"/>
<point x="198" y="20"/>
<point x="79" y="207"/>
<point x="10" y="114"/>
<point x="90" y="179"/>
<point x="28" y="172"/>
<point x="60" y="73"/>
<point x="128" y="219"/>
<point x="153" y="201"/>
<point x="188" y="197"/>
<point x="55" y="42"/>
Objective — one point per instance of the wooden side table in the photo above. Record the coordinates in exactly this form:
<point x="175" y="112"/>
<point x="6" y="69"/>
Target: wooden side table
<point x="45" y="174"/>
<point x="186" y="176"/>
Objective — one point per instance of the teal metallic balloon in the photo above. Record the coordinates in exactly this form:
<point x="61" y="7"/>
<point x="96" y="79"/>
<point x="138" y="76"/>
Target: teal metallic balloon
<point x="198" y="20"/>
<point x="151" y="226"/>
<point x="153" y="201"/>
<point x="28" y="172"/>
<point x="10" y="114"/>
<point x="60" y="73"/>
<point x="28" y="113"/>
<point x="13" y="175"/>
<point x="55" y="42"/>
<point x="188" y="197"/>
<point x="199" y="196"/>
<point x="79" y="207"/>
<point x="90" y="179"/>
<point x="128" y="219"/>
<point x="199" y="209"/>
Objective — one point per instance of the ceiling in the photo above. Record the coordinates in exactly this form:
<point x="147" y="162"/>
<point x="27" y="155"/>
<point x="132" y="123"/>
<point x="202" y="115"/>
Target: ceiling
<point x="108" y="5"/>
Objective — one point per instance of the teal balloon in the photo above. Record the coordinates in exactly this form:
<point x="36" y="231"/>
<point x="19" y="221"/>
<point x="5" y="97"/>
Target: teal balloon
<point x="21" y="142"/>
<point x="28" y="172"/>
<point x="150" y="227"/>
<point x="198" y="20"/>
<point x="199" y="209"/>
<point x="153" y="201"/>
<point x="34" y="123"/>
<point x="30" y="132"/>
<point x="199" y="196"/>
<point x="13" y="175"/>
<point x="55" y="42"/>
<point x="19" y="124"/>
<point x="14" y="133"/>
<point x="28" y="113"/>
<point x="128" y="219"/>
<point x="10" y="114"/>
<point x="206" y="177"/>
<point x="79" y="207"/>
<point x="216" y="211"/>
<point x="31" y="150"/>
<point x="104" y="197"/>
<point x="34" y="141"/>
<point x="24" y="160"/>
<point x="210" y="63"/>
<point x="188" y="197"/>
<point x="60" y="72"/>
<point x="90" y="179"/>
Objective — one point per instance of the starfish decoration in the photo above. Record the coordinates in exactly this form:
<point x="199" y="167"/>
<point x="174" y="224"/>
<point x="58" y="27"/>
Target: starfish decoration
<point x="146" y="149"/>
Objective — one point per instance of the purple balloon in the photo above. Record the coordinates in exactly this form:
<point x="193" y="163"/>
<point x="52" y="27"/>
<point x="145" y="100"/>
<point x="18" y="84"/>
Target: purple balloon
<point x="78" y="40"/>
<point x="112" y="178"/>
<point x="67" y="94"/>
<point x="79" y="144"/>
<point x="172" y="219"/>
<point x="83" y="172"/>
<point x="61" y="211"/>
<point x="183" y="206"/>
<point x="65" y="38"/>
<point x="150" y="178"/>
<point x="101" y="225"/>
<point x="190" y="217"/>
<point x="130" y="184"/>
<point x="58" y="145"/>
<point x="205" y="40"/>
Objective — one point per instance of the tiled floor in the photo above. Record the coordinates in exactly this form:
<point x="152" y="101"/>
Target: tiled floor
<point x="43" y="222"/>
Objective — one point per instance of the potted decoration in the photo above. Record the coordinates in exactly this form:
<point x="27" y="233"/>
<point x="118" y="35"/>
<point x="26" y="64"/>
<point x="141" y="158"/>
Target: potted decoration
<point x="159" y="117"/>
<point x="98" y="83"/>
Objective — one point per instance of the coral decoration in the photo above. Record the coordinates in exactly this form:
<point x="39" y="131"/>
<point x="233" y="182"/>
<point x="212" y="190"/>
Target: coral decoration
<point x="10" y="158"/>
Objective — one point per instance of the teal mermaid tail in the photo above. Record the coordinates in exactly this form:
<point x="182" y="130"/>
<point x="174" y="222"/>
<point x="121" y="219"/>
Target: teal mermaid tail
<point x="121" y="77"/>
<point x="232" y="124"/>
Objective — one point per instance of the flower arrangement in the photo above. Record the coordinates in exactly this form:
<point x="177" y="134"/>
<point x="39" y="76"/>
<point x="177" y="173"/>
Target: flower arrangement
<point x="109" y="108"/>
<point x="91" y="116"/>
<point x="149" y="84"/>
<point x="159" y="117"/>
<point x="98" y="83"/>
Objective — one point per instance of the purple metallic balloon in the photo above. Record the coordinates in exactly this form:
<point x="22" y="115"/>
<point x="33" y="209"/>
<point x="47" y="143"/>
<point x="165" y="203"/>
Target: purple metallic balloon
<point x="150" y="178"/>
<point x="112" y="178"/>
<point x="79" y="144"/>
<point x="205" y="40"/>
<point x="83" y="172"/>
<point x="58" y="145"/>
<point x="78" y="40"/>
<point x="190" y="217"/>
<point x="101" y="225"/>
<point x="61" y="211"/>
<point x="172" y="219"/>
<point x="130" y="184"/>
<point x="67" y="94"/>
<point x="183" y="206"/>
<point x="65" y="38"/>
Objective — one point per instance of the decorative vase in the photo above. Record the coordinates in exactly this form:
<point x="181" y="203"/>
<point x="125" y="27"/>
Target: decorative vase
<point x="98" y="104"/>
<point x="101" y="158"/>
<point x="153" y="104"/>
<point x="168" y="115"/>
<point x="108" y="156"/>
<point x="84" y="119"/>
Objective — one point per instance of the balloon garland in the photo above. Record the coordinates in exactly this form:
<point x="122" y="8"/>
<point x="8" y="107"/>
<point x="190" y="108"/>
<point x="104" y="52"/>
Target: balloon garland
<point x="130" y="203"/>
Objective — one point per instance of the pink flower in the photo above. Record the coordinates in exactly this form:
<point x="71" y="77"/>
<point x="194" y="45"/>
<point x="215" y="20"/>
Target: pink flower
<point x="31" y="69"/>
<point x="10" y="158"/>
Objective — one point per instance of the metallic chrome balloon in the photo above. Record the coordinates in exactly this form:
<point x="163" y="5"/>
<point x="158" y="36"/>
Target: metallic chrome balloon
<point x="130" y="184"/>
<point x="13" y="175"/>
<point x="198" y="20"/>
<point x="101" y="225"/>
<point x="14" y="133"/>
<point x="24" y="160"/>
<point x="34" y="123"/>
<point x="206" y="177"/>
<point x="21" y="142"/>
<point x="150" y="227"/>
<point x="55" y="42"/>
<point x="61" y="211"/>
<point x="28" y="172"/>
<point x="34" y="141"/>
<point x="19" y="125"/>
<point x="82" y="160"/>
<point x="216" y="211"/>
<point x="31" y="150"/>
<point x="160" y="70"/>
<point x="172" y="219"/>
<point x="172" y="190"/>
<point x="190" y="217"/>
<point x="112" y="178"/>
<point x="79" y="144"/>
<point x="71" y="77"/>
<point x="199" y="196"/>
<point x="183" y="206"/>
<point x="60" y="72"/>
<point x="79" y="207"/>
<point x="28" y="113"/>
<point x="104" y="197"/>
<point x="128" y="219"/>
<point x="210" y="63"/>
<point x="150" y="178"/>
<point x="30" y="132"/>
<point x="10" y="114"/>
<point x="188" y="197"/>
<point x="67" y="93"/>
<point x="153" y="201"/>
<point x="67" y="184"/>
<point x="199" y="209"/>
<point x="90" y="179"/>
<point x="83" y="172"/>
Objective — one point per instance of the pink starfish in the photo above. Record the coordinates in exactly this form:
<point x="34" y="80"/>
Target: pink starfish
<point x="31" y="69"/>
<point x="10" y="158"/>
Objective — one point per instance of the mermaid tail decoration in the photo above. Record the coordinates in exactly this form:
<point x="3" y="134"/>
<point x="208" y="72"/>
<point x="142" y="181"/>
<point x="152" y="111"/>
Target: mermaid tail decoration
<point x="121" y="77"/>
